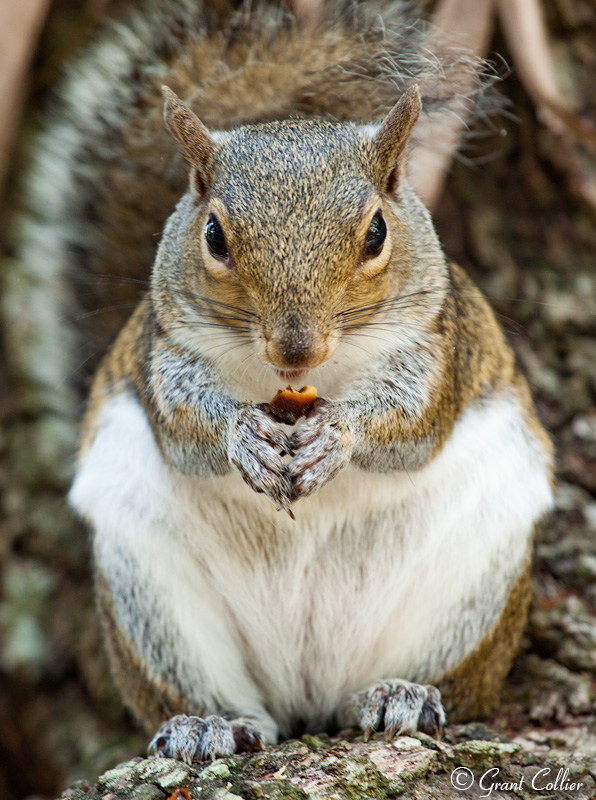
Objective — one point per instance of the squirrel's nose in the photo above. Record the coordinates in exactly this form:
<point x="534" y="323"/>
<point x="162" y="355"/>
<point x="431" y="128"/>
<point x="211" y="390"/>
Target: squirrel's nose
<point x="294" y="346"/>
<point x="296" y="349"/>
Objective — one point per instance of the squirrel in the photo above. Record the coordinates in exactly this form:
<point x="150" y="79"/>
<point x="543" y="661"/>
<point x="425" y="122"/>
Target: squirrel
<point x="295" y="250"/>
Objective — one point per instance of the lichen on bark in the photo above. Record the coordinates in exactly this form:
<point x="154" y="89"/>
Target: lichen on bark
<point x="346" y="768"/>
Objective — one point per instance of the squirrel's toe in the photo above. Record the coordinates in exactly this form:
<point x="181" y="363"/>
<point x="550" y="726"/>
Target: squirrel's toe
<point x="432" y="717"/>
<point x="395" y="707"/>
<point x="191" y="739"/>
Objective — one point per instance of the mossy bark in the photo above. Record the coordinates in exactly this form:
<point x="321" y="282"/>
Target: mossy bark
<point x="317" y="768"/>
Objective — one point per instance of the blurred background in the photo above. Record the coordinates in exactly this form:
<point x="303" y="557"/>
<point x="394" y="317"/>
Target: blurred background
<point x="519" y="213"/>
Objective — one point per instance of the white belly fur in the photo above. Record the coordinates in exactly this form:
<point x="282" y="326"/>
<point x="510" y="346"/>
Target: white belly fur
<point x="380" y="575"/>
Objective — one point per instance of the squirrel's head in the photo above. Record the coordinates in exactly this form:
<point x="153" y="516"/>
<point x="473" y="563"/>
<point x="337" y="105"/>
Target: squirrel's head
<point x="292" y="230"/>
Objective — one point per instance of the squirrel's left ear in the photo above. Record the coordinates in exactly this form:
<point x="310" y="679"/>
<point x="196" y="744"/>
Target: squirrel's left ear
<point x="194" y="137"/>
<point x="391" y="139"/>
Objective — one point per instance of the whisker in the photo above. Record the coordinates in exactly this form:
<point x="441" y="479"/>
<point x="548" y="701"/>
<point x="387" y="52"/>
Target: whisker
<point x="105" y="310"/>
<point x="511" y="326"/>
<point x="207" y="304"/>
<point x="389" y="325"/>
<point x="353" y="344"/>
<point x="370" y="336"/>
<point x="72" y="372"/>
<point x="519" y="300"/>
<point x="263" y="370"/>
<point x="388" y="302"/>
<point x="202" y="324"/>
<point x="247" y="362"/>
<point x="219" y="314"/>
<point x="394" y="304"/>
<point x="415" y="299"/>
<point x="221" y="355"/>
<point x="210" y="301"/>
<point x="99" y="277"/>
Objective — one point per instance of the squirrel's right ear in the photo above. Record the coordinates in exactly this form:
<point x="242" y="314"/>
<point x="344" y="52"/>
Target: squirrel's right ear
<point x="194" y="137"/>
<point x="391" y="139"/>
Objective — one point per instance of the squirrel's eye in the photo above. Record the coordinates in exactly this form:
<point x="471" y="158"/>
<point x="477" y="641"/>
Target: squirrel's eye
<point x="216" y="241"/>
<point x="375" y="236"/>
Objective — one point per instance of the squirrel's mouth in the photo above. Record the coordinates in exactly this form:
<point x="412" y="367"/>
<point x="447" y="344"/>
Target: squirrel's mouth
<point x="291" y="374"/>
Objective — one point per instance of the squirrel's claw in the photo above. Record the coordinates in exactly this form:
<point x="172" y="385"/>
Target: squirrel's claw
<point x="395" y="707"/>
<point x="254" y="451"/>
<point x="189" y="738"/>
<point x="323" y="447"/>
<point x="432" y="717"/>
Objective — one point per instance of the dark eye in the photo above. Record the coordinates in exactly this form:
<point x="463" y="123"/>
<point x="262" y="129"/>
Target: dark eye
<point x="375" y="236"/>
<point x="216" y="241"/>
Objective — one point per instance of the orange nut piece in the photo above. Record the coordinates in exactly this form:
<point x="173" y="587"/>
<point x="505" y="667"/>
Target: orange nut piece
<point x="289" y="405"/>
<point x="180" y="794"/>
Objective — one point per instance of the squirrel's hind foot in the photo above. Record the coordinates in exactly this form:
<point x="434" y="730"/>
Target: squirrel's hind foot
<point x="191" y="739"/>
<point x="395" y="706"/>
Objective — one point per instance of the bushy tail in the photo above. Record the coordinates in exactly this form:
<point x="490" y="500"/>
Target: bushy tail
<point x="107" y="176"/>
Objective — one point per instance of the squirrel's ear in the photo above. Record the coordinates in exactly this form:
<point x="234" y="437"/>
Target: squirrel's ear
<point x="194" y="137"/>
<point x="391" y="139"/>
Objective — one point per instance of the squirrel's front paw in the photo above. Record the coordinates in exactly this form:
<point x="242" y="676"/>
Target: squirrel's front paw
<point x="396" y="707"/>
<point x="323" y="446"/>
<point x="255" y="450"/>
<point x="196" y="739"/>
